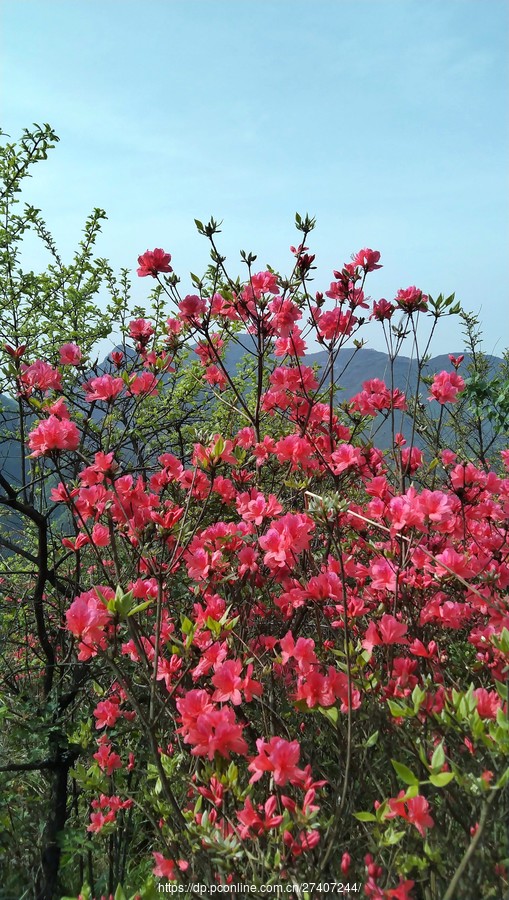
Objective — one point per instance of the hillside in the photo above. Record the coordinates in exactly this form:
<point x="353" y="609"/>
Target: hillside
<point x="352" y="369"/>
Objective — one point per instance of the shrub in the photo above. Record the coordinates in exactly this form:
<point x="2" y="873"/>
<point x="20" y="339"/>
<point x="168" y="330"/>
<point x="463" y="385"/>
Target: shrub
<point x="259" y="649"/>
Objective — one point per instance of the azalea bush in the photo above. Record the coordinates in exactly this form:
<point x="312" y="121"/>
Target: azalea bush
<point x="246" y="643"/>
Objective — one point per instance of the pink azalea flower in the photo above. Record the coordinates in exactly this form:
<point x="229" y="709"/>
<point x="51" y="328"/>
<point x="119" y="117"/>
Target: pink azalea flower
<point x="415" y="810"/>
<point x="215" y="377"/>
<point x="303" y="651"/>
<point x="382" y="310"/>
<point x="250" y="821"/>
<point x="106" y="759"/>
<point x="106" y="713"/>
<point x="100" y="535"/>
<point x="104" y="388"/>
<point x="285" y="539"/>
<point x="446" y="387"/>
<point x="152" y="262"/>
<point x="141" y="331"/>
<point x="488" y="703"/>
<point x="86" y="618"/>
<point x="334" y="323"/>
<point x="146" y="383"/>
<point x="392" y="631"/>
<point x="411" y="300"/>
<point x="216" y="731"/>
<point x="98" y="820"/>
<point x="306" y="840"/>
<point x="261" y="283"/>
<point x="192" y="307"/>
<point x="280" y="758"/>
<point x="40" y="376"/>
<point x="53" y="434"/>
<point x="285" y="314"/>
<point x="345" y="457"/>
<point x="383" y="576"/>
<point x="401" y="892"/>
<point x="367" y="259"/>
<point x="70" y="355"/>
<point x="418" y="814"/>
<point x="293" y="345"/>
<point x="227" y="682"/>
<point x="166" y="868"/>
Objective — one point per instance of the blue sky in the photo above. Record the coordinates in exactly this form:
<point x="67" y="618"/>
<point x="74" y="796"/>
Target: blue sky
<point x="386" y="120"/>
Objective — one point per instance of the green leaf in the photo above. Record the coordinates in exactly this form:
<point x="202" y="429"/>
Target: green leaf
<point x="119" y="893"/>
<point x="501" y="719"/>
<point x="504" y="778"/>
<point x="85" y="893"/>
<point x="501" y="641"/>
<point x="365" y="817"/>
<point x="213" y="626"/>
<point x="120" y="603"/>
<point x="218" y="448"/>
<point x="403" y="772"/>
<point x="232" y="773"/>
<point x="371" y="741"/>
<point x="139" y="608"/>
<point x="330" y="713"/>
<point x="412" y="791"/>
<point x="396" y="709"/>
<point x="392" y="837"/>
<point x="438" y="758"/>
<point x="149" y="892"/>
<point x="418" y="697"/>
<point x="441" y="779"/>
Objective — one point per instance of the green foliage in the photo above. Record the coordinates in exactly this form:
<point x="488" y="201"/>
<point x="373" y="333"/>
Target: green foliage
<point x="46" y="721"/>
<point x="48" y="309"/>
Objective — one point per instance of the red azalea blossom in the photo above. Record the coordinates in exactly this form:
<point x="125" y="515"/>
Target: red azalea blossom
<point x="382" y="310"/>
<point x="411" y="300"/>
<point x="53" y="434"/>
<point x="401" y="892"/>
<point x="106" y="713"/>
<point x="107" y="759"/>
<point x="241" y="558"/>
<point x="446" y="387"/>
<point x="152" y="262"/>
<point x="40" y="376"/>
<point x="414" y="809"/>
<point x="367" y="259"/>
<point x="141" y="331"/>
<point x="70" y="355"/>
<point x="278" y="757"/>
<point x="15" y="352"/>
<point x="104" y="388"/>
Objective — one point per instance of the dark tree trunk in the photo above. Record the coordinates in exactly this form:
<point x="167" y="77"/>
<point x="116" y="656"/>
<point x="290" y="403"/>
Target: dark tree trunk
<point x="47" y="876"/>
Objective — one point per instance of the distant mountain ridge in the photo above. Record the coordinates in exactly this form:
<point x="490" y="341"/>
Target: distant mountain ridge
<point x="353" y="366"/>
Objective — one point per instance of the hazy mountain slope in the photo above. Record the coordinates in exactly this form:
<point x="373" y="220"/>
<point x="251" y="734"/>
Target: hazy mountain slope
<point x="351" y="370"/>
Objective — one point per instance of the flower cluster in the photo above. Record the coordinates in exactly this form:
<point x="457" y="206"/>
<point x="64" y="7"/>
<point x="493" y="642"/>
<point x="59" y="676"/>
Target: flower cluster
<point x="273" y="604"/>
